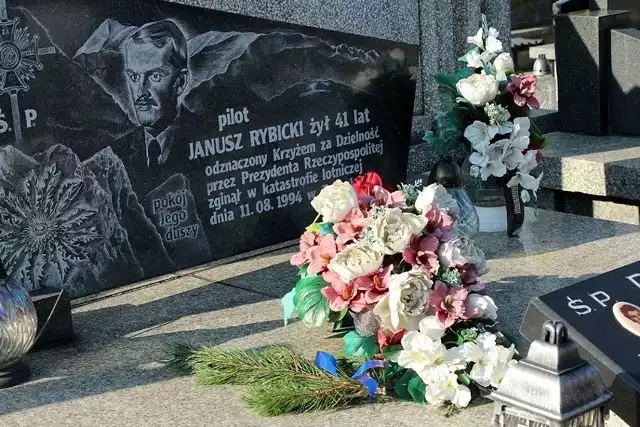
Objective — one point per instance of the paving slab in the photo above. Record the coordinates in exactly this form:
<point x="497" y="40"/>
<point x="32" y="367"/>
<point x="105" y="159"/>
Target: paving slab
<point x="114" y="376"/>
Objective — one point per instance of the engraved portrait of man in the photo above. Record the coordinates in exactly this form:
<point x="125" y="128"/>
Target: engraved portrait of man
<point x="156" y="73"/>
<point x="156" y="70"/>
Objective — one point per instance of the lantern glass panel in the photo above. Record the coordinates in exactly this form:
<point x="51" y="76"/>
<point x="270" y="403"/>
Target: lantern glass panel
<point x="590" y="419"/>
<point x="511" y="420"/>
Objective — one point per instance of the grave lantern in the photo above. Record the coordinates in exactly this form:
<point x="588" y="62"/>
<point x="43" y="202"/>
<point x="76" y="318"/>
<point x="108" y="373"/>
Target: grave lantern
<point x="551" y="387"/>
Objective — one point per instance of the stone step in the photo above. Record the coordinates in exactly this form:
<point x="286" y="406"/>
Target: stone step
<point x="596" y="176"/>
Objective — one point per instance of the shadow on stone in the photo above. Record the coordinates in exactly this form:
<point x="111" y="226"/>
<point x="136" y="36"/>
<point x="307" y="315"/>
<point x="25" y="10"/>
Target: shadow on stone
<point x="123" y="346"/>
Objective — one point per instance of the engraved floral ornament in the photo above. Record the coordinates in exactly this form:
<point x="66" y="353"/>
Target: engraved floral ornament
<point x="45" y="225"/>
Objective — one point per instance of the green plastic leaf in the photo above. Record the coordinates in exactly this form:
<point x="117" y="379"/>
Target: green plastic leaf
<point x="288" y="306"/>
<point x="391" y="353"/>
<point x="402" y="385"/>
<point x="465" y="72"/>
<point x="314" y="228"/>
<point x="417" y="389"/>
<point x="501" y="76"/>
<point x="312" y="307"/>
<point x="359" y="346"/>
<point x="464" y="379"/>
<point x="337" y="316"/>
<point x="302" y="272"/>
<point x="392" y="370"/>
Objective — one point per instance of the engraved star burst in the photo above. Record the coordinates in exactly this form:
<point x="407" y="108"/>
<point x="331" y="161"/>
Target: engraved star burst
<point x="45" y="225"/>
<point x="19" y="57"/>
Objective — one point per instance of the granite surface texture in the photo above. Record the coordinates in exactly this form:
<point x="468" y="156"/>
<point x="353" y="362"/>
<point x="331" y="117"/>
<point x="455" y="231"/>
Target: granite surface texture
<point x="606" y="165"/>
<point x="114" y="375"/>
<point x="624" y="102"/>
<point x="583" y="43"/>
<point x="397" y="20"/>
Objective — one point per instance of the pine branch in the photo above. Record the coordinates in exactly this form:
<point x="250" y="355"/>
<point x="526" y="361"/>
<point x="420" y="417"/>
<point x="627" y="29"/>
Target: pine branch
<point x="280" y="381"/>
<point x="295" y="394"/>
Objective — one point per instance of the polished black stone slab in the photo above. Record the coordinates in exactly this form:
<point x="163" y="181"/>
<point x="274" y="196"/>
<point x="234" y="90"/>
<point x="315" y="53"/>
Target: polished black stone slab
<point x="587" y="309"/>
<point x="141" y="137"/>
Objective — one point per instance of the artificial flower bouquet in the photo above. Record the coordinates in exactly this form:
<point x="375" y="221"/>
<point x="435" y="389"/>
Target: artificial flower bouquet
<point x="390" y="260"/>
<point x="422" y="327"/>
<point x="489" y="105"/>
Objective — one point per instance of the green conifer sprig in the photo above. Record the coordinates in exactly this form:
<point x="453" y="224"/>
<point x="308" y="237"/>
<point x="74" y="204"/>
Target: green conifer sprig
<point x="279" y="380"/>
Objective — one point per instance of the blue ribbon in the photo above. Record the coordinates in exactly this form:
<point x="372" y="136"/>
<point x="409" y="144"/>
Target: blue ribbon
<point x="330" y="364"/>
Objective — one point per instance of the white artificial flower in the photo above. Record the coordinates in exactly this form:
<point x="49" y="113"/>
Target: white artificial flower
<point x="393" y="229"/>
<point x="521" y="127"/>
<point x="478" y="353"/>
<point x="491" y="360"/>
<point x="530" y="162"/>
<point x="460" y="251"/>
<point x="504" y="63"/>
<point x="484" y="307"/>
<point x="480" y="135"/>
<point x="474" y="171"/>
<point x="501" y="358"/>
<point x="478" y="89"/>
<point x="430" y="327"/>
<point x="474" y="59"/>
<point x="403" y="307"/>
<point x="448" y="390"/>
<point x="430" y="359"/>
<point x="512" y="152"/>
<point x="492" y="162"/>
<point x="435" y="194"/>
<point x="527" y="182"/>
<point x="478" y="39"/>
<point x="355" y="261"/>
<point x="493" y="45"/>
<point x="335" y="201"/>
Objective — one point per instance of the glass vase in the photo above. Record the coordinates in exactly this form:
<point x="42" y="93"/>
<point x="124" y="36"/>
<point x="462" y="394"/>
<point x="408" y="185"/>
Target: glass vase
<point x="467" y="221"/>
<point x="18" y="323"/>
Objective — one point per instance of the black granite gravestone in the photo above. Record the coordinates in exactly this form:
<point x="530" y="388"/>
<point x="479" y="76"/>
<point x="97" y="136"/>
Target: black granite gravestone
<point x="603" y="318"/>
<point x="142" y="137"/>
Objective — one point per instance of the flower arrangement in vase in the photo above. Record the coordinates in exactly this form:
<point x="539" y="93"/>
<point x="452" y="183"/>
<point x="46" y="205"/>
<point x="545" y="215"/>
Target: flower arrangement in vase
<point x="423" y="327"/>
<point x="488" y="111"/>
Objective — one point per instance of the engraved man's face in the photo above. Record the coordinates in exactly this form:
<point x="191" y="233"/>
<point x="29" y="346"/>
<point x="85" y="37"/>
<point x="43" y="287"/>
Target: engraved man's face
<point x="154" y="83"/>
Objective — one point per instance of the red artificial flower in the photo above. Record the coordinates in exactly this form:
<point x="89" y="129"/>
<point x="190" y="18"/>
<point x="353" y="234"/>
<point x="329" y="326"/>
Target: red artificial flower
<point x="387" y="339"/>
<point x="364" y="184"/>
<point x="523" y="89"/>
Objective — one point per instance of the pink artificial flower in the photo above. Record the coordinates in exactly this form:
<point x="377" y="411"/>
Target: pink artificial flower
<point x="449" y="303"/>
<point x="469" y="276"/>
<point x="375" y="286"/>
<point x="423" y="253"/>
<point x="307" y="241"/>
<point x="349" y="229"/>
<point x="523" y="89"/>
<point x="440" y="224"/>
<point x="380" y="196"/>
<point x="321" y="255"/>
<point x="342" y="295"/>
<point x="388" y="338"/>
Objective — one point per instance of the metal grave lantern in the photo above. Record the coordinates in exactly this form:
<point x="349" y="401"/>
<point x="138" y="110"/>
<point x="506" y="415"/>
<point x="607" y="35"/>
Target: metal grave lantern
<point x="551" y="387"/>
